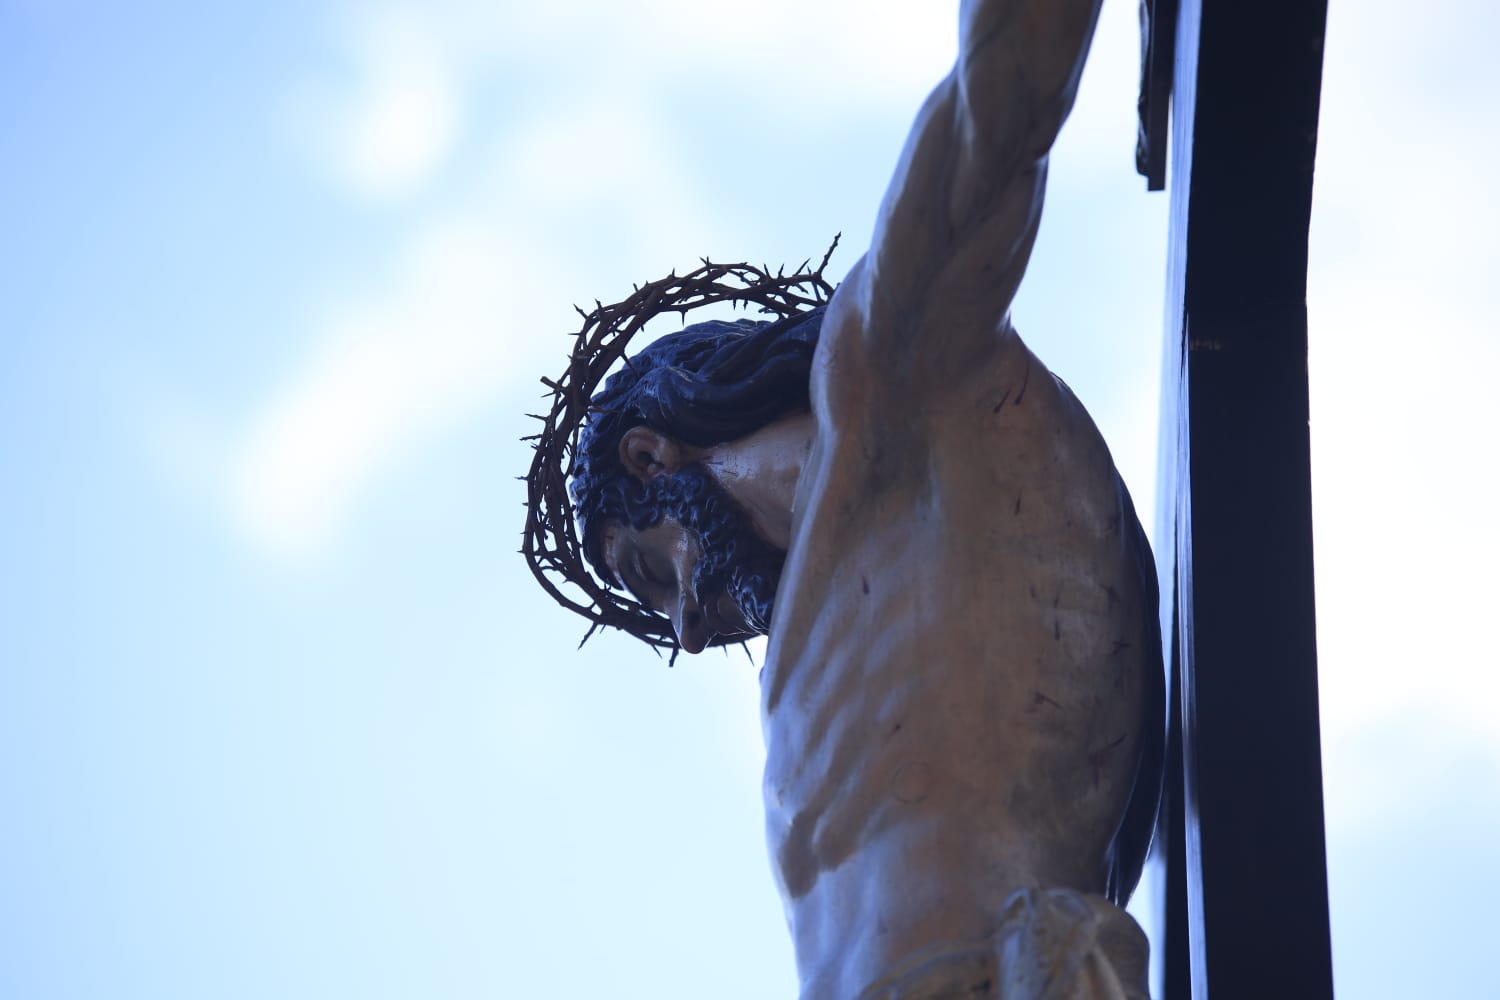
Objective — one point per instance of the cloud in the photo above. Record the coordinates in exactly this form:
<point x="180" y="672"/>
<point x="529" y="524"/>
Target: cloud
<point x="1401" y="360"/>
<point x="558" y="204"/>
<point x="383" y="133"/>
<point x="605" y="179"/>
<point x="381" y="376"/>
<point x="811" y="60"/>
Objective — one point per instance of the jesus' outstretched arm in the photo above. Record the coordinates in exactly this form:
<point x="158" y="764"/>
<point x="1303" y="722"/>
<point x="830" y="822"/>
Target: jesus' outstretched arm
<point x="957" y="223"/>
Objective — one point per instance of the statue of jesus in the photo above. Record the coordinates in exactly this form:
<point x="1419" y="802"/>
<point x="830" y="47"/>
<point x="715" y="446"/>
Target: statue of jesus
<point x="962" y="692"/>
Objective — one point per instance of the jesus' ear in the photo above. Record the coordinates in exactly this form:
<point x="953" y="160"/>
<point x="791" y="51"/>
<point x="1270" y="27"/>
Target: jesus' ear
<point x="647" y="454"/>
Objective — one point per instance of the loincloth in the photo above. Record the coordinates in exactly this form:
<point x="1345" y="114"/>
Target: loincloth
<point x="1051" y="944"/>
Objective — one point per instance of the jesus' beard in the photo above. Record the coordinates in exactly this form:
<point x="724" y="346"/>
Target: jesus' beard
<point x="733" y="559"/>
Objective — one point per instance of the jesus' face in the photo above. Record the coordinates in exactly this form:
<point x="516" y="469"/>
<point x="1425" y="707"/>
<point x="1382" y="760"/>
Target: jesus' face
<point x="702" y="565"/>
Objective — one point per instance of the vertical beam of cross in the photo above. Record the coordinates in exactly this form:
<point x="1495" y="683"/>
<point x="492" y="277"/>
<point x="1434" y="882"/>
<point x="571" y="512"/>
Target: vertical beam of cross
<point x="1247" y="875"/>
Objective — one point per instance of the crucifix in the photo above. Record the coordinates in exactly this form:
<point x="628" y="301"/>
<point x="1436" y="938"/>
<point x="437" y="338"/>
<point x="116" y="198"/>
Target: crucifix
<point x="1242" y="844"/>
<point x="963" y="696"/>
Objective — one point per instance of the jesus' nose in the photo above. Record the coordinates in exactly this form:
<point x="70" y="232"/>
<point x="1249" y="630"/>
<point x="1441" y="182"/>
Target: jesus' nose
<point x="689" y="624"/>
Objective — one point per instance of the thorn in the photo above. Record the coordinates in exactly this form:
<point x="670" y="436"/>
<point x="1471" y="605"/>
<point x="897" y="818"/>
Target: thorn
<point x="586" y="636"/>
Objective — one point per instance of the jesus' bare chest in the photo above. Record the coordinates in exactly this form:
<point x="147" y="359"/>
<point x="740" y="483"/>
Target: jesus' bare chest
<point x="950" y="623"/>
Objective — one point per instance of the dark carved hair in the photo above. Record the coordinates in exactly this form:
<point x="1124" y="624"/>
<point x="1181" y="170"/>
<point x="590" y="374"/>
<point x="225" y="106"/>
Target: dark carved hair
<point x="709" y="383"/>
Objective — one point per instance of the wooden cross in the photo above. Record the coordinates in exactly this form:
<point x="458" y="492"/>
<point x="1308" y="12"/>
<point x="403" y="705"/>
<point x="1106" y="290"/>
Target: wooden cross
<point x="1242" y="837"/>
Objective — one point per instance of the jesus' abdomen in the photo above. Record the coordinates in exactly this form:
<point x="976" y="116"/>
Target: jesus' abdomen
<point x="953" y="691"/>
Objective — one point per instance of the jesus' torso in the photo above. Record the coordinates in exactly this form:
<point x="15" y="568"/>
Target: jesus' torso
<point x="952" y="690"/>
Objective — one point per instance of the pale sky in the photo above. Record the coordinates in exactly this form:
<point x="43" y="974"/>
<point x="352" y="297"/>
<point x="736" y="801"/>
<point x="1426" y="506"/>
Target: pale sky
<point x="282" y="713"/>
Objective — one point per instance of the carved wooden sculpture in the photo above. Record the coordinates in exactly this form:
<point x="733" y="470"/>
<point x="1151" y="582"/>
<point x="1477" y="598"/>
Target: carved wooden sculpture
<point x="962" y="693"/>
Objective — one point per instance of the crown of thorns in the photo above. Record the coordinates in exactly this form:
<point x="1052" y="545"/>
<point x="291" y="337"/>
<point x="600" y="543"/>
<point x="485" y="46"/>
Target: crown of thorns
<point x="551" y="544"/>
